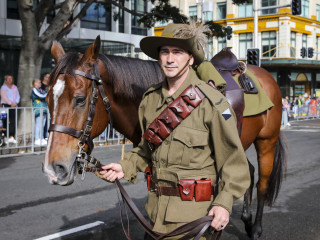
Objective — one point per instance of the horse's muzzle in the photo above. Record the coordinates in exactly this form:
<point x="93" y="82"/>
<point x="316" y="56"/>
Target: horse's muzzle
<point x="59" y="174"/>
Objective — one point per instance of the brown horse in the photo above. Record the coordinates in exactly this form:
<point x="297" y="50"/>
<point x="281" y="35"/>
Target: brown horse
<point x="124" y="80"/>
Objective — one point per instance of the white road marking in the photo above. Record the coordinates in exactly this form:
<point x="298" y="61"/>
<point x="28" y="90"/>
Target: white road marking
<point x="301" y="130"/>
<point x="70" y="231"/>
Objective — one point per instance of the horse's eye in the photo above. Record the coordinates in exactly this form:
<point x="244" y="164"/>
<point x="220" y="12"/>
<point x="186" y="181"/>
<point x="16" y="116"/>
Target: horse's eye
<point x="80" y="100"/>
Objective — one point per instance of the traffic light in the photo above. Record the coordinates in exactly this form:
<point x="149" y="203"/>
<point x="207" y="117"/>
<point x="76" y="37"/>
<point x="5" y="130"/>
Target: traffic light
<point x="228" y="31"/>
<point x="253" y="56"/>
<point x="310" y="52"/>
<point x="296" y="7"/>
<point x="303" y="52"/>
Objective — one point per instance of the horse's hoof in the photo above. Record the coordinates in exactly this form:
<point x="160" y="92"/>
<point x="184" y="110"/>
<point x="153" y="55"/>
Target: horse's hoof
<point x="256" y="232"/>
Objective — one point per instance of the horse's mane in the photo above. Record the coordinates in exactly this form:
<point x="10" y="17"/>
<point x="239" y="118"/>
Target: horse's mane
<point x="131" y="77"/>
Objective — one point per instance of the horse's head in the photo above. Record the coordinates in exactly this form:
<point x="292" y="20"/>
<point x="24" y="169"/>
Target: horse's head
<point x="69" y="100"/>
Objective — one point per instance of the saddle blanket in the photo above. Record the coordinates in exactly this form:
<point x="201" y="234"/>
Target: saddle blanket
<point x="255" y="103"/>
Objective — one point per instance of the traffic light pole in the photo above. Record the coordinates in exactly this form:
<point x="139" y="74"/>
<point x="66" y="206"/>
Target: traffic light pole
<point x="255" y="19"/>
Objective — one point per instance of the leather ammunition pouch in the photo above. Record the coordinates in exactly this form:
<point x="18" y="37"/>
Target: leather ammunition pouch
<point x="186" y="189"/>
<point x="172" y="116"/>
<point x="203" y="190"/>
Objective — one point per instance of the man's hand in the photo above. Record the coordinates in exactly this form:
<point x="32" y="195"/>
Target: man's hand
<point x="112" y="172"/>
<point x="14" y="105"/>
<point x="221" y="217"/>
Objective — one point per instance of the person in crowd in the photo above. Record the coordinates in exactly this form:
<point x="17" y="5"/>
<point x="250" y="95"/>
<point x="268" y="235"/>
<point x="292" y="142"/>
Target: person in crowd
<point x="300" y="106"/>
<point x="288" y="107"/>
<point x="193" y="153"/>
<point x="38" y="96"/>
<point x="44" y="85"/>
<point x="285" y="119"/>
<point x="313" y="107"/>
<point x="307" y="105"/>
<point x="10" y="98"/>
<point x="295" y="106"/>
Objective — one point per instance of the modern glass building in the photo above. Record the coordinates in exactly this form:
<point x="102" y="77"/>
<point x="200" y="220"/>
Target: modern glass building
<point x="280" y="38"/>
<point x="120" y="37"/>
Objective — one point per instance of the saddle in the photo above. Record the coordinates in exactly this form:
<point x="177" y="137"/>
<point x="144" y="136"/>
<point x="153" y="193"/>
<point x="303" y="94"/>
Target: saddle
<point x="228" y="66"/>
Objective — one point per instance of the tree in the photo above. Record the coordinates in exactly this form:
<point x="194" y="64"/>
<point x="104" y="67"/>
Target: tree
<point x="35" y="43"/>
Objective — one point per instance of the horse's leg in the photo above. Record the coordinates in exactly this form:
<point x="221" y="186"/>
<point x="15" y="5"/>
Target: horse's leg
<point x="246" y="211"/>
<point x="265" y="153"/>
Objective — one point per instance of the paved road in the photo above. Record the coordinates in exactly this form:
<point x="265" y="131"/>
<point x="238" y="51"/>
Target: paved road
<point x="31" y="208"/>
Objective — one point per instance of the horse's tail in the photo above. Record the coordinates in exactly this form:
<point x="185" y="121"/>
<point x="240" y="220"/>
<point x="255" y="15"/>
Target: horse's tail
<point x="279" y="169"/>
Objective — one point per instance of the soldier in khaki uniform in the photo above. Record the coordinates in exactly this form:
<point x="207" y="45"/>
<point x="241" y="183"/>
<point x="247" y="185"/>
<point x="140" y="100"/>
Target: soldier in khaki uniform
<point x="205" y="145"/>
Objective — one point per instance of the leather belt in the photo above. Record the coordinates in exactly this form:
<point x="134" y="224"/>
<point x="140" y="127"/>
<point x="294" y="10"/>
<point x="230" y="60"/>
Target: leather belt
<point x="168" y="190"/>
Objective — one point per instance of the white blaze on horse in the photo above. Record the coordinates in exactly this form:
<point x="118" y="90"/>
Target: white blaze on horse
<point x="124" y="81"/>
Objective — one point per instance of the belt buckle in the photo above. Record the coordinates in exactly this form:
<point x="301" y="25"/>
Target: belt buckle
<point x="157" y="190"/>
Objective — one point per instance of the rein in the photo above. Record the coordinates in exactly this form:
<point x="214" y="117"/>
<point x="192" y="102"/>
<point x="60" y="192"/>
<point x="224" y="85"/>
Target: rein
<point x="88" y="163"/>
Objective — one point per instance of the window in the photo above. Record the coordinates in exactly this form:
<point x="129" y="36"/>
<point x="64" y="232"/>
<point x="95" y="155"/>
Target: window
<point x="305" y="8"/>
<point x="121" y="20"/>
<point x="222" y="43"/>
<point x="317" y="47"/>
<point x="12" y="9"/>
<point x="318" y="12"/>
<point x="98" y="16"/>
<point x="268" y="44"/>
<point x="193" y="13"/>
<point x="268" y="3"/>
<point x="221" y="11"/>
<point x="245" y="42"/>
<point x="139" y="6"/>
<point x="210" y="49"/>
<point x="245" y="10"/>
<point x="208" y="16"/>
<point x="305" y="40"/>
<point x="293" y="44"/>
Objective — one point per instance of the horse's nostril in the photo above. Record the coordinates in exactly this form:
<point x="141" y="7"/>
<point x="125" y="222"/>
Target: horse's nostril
<point x="60" y="170"/>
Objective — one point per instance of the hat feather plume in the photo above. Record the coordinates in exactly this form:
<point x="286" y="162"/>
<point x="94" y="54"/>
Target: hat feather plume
<point x="200" y="32"/>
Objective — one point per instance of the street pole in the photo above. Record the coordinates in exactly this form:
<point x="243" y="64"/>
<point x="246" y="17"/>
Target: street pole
<point x="255" y="23"/>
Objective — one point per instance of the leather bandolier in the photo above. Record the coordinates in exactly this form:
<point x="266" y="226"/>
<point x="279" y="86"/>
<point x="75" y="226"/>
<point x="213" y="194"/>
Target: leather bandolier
<point x="172" y="116"/>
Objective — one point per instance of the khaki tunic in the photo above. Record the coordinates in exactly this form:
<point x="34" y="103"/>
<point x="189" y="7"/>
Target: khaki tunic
<point x="204" y="144"/>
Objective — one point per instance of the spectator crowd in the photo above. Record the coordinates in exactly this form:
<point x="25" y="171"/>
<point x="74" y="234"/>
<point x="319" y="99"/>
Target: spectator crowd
<point x="300" y="107"/>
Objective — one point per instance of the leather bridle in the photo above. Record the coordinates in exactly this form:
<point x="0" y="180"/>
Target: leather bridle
<point x="84" y="134"/>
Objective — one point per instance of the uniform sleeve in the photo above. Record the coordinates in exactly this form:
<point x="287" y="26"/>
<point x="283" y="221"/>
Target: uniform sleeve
<point x="231" y="161"/>
<point x="139" y="157"/>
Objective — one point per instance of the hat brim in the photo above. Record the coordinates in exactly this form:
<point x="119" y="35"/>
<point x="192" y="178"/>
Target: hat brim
<point x="151" y="46"/>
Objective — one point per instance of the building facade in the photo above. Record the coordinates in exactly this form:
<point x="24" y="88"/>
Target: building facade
<point x="120" y="37"/>
<point x="280" y="38"/>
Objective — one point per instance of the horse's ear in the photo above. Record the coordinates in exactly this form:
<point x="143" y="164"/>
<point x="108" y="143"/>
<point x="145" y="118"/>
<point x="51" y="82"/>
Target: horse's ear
<point x="92" y="53"/>
<point x="57" y="51"/>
